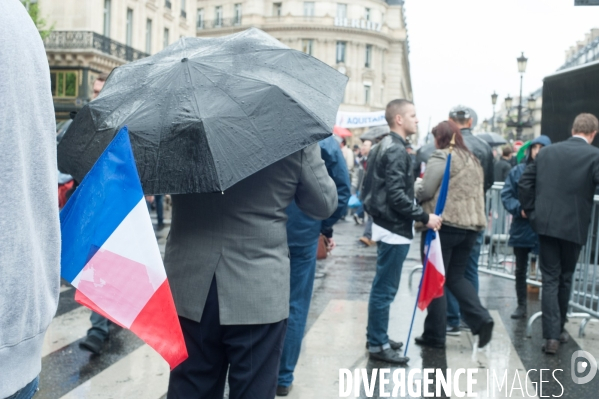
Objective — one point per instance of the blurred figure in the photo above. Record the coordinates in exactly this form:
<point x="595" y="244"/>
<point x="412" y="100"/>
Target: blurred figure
<point x="462" y="116"/>
<point x="30" y="234"/>
<point x="463" y="218"/>
<point x="361" y="217"/>
<point x="556" y="193"/>
<point x="302" y="237"/>
<point x="388" y="197"/>
<point x="522" y="238"/>
<point x="504" y="164"/>
<point x="99" y="333"/>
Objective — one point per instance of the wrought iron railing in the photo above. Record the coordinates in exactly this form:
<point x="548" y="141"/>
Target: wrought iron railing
<point x="220" y="23"/>
<point x="69" y="40"/>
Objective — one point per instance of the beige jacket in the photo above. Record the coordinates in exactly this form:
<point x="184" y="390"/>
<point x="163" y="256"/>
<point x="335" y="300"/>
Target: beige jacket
<point x="465" y="206"/>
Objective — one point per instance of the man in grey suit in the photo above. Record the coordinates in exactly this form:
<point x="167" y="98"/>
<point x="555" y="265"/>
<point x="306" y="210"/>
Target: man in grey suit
<point x="227" y="262"/>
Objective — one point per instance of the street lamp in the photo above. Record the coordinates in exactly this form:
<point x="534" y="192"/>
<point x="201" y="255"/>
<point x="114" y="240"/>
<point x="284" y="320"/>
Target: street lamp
<point x="522" y="61"/>
<point x="508" y="104"/>
<point x="493" y="101"/>
<point x="485" y="125"/>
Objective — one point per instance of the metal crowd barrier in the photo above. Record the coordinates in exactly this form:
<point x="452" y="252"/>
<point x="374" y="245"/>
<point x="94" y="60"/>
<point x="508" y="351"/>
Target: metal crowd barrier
<point x="497" y="258"/>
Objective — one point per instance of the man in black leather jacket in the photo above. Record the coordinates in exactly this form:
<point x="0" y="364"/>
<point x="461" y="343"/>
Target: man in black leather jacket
<point x="482" y="150"/>
<point x="388" y="196"/>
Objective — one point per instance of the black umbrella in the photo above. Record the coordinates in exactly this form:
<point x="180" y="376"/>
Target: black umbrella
<point x="493" y="139"/>
<point x="205" y="113"/>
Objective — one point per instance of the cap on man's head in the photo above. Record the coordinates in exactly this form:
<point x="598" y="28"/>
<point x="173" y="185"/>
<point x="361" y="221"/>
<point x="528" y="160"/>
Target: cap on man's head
<point x="460" y="112"/>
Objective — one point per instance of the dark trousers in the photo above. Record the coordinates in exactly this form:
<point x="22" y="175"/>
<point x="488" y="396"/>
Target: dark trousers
<point x="557" y="262"/>
<point x="521" y="271"/>
<point x="250" y="353"/>
<point x="456" y="246"/>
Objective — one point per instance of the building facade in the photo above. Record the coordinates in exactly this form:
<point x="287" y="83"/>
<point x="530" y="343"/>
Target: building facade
<point x="364" y="39"/>
<point x="94" y="36"/>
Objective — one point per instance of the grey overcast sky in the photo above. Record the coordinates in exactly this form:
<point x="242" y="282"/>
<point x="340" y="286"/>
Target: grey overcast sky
<point x="463" y="50"/>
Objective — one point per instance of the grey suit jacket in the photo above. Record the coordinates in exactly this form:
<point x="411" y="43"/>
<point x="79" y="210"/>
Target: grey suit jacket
<point x="240" y="237"/>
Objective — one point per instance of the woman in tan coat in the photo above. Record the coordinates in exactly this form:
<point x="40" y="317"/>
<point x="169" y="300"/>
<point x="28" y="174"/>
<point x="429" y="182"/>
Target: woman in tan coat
<point x="463" y="218"/>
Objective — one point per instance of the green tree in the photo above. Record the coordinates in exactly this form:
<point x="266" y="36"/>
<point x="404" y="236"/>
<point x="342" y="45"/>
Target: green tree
<point x="40" y="22"/>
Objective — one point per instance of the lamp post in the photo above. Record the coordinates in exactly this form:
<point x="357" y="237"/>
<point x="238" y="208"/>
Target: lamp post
<point x="493" y="101"/>
<point x="519" y="125"/>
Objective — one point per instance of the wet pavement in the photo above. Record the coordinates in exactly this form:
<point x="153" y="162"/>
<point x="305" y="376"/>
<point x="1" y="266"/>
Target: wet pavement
<point x="335" y="339"/>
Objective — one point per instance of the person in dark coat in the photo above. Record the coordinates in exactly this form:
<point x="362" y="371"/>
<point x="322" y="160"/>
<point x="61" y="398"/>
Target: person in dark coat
<point x="556" y="192"/>
<point x="522" y="237"/>
<point x="302" y="238"/>
<point x="504" y="164"/>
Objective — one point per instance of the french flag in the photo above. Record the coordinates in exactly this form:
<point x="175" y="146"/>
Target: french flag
<point x="433" y="276"/>
<point x="110" y="254"/>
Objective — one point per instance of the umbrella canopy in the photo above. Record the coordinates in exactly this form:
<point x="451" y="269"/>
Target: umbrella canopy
<point x="375" y="133"/>
<point x="492" y="138"/>
<point x="341" y="131"/>
<point x="205" y="113"/>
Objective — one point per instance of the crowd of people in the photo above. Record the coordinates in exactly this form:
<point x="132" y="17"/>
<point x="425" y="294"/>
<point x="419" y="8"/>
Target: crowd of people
<point x="241" y="264"/>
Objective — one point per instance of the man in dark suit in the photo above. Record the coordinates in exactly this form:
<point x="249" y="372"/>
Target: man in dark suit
<point x="227" y="262"/>
<point x="556" y="192"/>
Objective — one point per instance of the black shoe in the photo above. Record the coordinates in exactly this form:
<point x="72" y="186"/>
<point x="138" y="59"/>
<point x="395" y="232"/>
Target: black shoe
<point x="394" y="345"/>
<point x="464" y="326"/>
<point x="389" y="356"/>
<point x="485" y="333"/>
<point x="421" y="341"/>
<point x="519" y="313"/>
<point x="453" y="331"/>
<point x="92" y="344"/>
<point x="160" y="226"/>
<point x="564" y="337"/>
<point x="283" y="391"/>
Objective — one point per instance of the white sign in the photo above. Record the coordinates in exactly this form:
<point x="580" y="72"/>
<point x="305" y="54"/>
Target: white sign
<point x="360" y="119"/>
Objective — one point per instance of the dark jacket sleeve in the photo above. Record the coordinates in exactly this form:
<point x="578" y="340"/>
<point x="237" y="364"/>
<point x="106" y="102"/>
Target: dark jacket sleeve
<point x="526" y="188"/>
<point x="337" y="168"/>
<point x="316" y="194"/>
<point x="395" y="182"/>
<point x="509" y="193"/>
<point x="489" y="170"/>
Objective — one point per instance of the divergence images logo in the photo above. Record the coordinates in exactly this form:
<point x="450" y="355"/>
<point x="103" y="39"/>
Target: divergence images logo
<point x="582" y="363"/>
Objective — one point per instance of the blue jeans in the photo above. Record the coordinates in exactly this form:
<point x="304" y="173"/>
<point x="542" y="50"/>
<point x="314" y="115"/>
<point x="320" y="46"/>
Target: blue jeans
<point x="303" y="268"/>
<point x="390" y="259"/>
<point x="99" y="326"/>
<point x="26" y="392"/>
<point x="471" y="274"/>
<point x="159" y="202"/>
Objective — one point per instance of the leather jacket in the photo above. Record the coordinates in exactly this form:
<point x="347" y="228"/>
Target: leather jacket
<point x="388" y="191"/>
<point x="481" y="150"/>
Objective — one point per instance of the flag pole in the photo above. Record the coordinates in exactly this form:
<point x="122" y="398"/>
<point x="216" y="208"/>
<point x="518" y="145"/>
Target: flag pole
<point x="432" y="236"/>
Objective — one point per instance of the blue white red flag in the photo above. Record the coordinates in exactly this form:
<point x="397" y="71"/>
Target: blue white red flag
<point x="433" y="276"/>
<point x="110" y="254"/>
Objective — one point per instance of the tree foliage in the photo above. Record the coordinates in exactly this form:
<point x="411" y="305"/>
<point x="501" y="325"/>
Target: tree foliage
<point x="38" y="20"/>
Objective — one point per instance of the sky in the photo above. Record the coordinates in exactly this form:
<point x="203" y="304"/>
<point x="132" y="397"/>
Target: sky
<point x="463" y="50"/>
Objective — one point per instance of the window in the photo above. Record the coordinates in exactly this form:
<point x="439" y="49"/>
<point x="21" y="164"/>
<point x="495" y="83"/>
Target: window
<point x="167" y="4"/>
<point x="341" y="52"/>
<point x="183" y="9"/>
<point x="64" y="83"/>
<point x="341" y="11"/>
<point x="367" y="14"/>
<point x="368" y="59"/>
<point x="200" y="18"/>
<point x="382" y="95"/>
<point x="166" y="39"/>
<point x="366" y="94"/>
<point x="107" y="18"/>
<point x="308" y="8"/>
<point x="237" y="13"/>
<point x="307" y="46"/>
<point x="218" y="16"/>
<point x="129" y="37"/>
<point x="149" y="36"/>
<point x="277" y="9"/>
